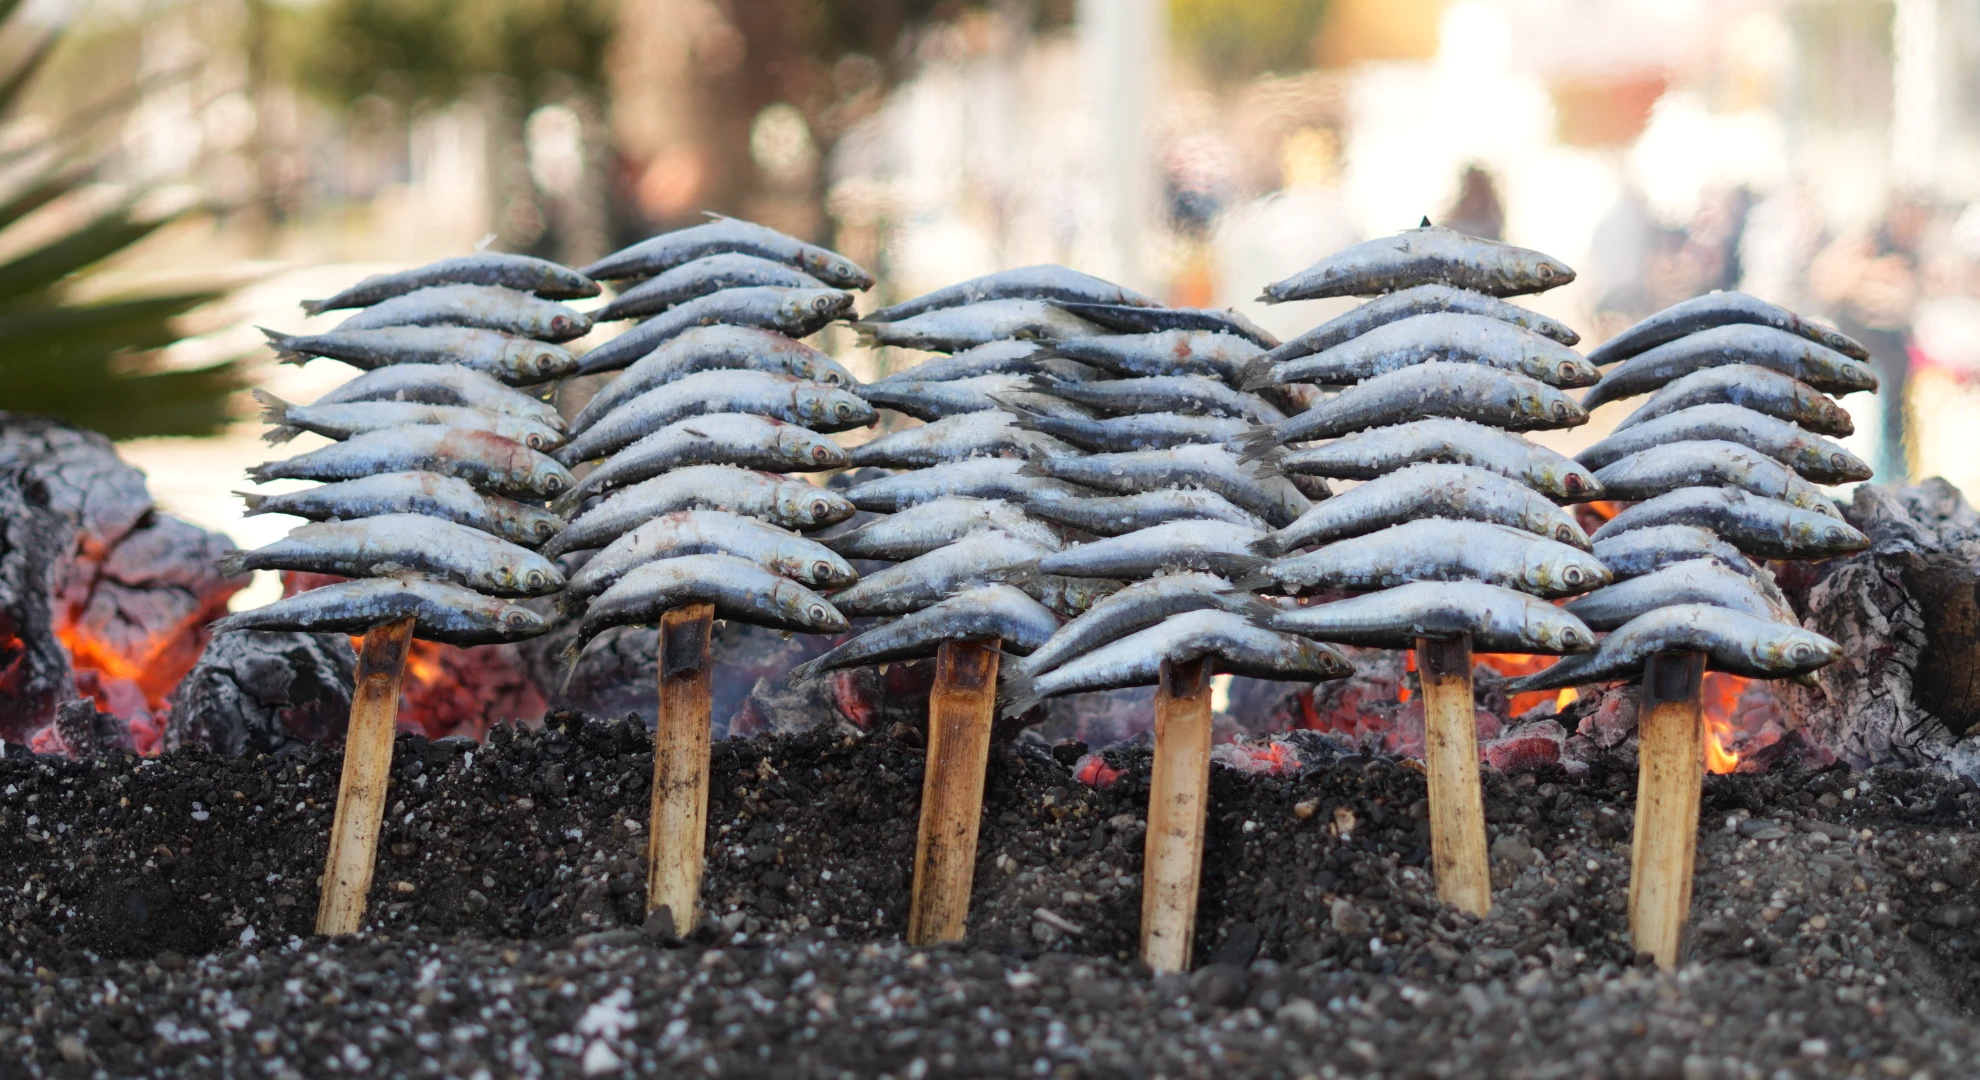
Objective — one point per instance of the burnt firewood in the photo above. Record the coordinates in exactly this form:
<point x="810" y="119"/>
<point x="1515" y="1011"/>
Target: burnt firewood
<point x="34" y="543"/>
<point x="1907" y="614"/>
<point x="260" y="693"/>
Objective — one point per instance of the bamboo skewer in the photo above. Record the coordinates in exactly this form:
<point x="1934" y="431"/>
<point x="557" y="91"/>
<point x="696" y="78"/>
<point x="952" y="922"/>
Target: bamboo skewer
<point x="1450" y="746"/>
<point x="960" y="710"/>
<point x="353" y="854"/>
<point x="1178" y="806"/>
<point x="678" y="826"/>
<point x="1669" y="781"/>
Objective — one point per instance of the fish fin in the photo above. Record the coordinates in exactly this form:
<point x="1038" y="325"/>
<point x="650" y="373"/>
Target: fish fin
<point x="260" y="473"/>
<point x="1034" y="467"/>
<point x="1425" y="223"/>
<point x="315" y="307"/>
<point x="278" y="435"/>
<point x="568" y="658"/>
<point x="869" y="334"/>
<point x="1022" y="574"/>
<point x="1257" y="443"/>
<point x="1271" y="545"/>
<point x="1246" y="564"/>
<point x="1260" y="612"/>
<point x="562" y="504"/>
<point x="805" y="672"/>
<point x="232" y="564"/>
<point x="1042" y="384"/>
<point x="228" y="625"/>
<point x="254" y="501"/>
<point x="1256" y="374"/>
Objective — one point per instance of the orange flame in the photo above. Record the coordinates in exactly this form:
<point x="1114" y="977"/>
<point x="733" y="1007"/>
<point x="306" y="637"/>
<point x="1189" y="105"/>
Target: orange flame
<point x="1719" y="699"/>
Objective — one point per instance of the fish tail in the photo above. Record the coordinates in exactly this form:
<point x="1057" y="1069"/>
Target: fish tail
<point x="1259" y="442"/>
<point x="1260" y="612"/>
<point x="1271" y="545"/>
<point x="562" y="504"/>
<point x="1017" y="691"/>
<point x="233" y="563"/>
<point x="315" y="307"/>
<point x="1042" y="384"/>
<point x="1022" y="574"/>
<point x="262" y="473"/>
<point x="1258" y="580"/>
<point x="229" y="624"/>
<point x="275" y="411"/>
<point x="805" y="672"/>
<point x="1034" y="467"/>
<point x="868" y="331"/>
<point x="254" y="502"/>
<point x="284" y="352"/>
<point x="1256" y="375"/>
<point x="1248" y="565"/>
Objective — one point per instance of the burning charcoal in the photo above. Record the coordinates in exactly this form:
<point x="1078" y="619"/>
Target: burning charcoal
<point x="35" y="538"/>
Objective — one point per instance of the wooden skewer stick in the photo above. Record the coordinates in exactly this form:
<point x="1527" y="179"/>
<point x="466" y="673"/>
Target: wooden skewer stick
<point x="1670" y="776"/>
<point x="1450" y="748"/>
<point x="353" y="853"/>
<point x="678" y="828"/>
<point x="960" y="711"/>
<point x="1178" y="805"/>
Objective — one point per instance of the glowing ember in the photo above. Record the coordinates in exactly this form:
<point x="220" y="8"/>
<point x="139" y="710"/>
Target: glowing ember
<point x="1568" y="697"/>
<point x="1719" y="697"/>
<point x="1511" y="665"/>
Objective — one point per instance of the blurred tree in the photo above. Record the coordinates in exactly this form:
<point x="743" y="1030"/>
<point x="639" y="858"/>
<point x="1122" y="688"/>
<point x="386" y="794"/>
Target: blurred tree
<point x="92" y="362"/>
<point x="430" y="52"/>
<point x="1239" y="39"/>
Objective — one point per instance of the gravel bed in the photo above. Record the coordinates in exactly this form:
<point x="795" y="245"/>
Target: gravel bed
<point x="155" y="919"/>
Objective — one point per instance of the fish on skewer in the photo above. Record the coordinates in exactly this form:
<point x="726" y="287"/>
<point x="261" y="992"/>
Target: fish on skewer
<point x="1497" y="618"/>
<point x="442" y="611"/>
<point x="1741" y="343"/>
<point x="1426" y="491"/>
<point x="781" y="397"/>
<point x="932" y="401"/>
<point x="794" y="312"/>
<point x="1648" y="550"/>
<point x="1135" y="607"/>
<point x="952" y="329"/>
<point x="989" y="358"/>
<point x="1759" y="526"/>
<point x="1408" y="303"/>
<point x="1042" y="282"/>
<point x="713" y="348"/>
<point x="983" y="478"/>
<point x="698" y="278"/>
<point x="1374" y="453"/>
<point x="1429" y="254"/>
<point x="1210" y="353"/>
<point x="921" y="528"/>
<point x="1750" y="387"/>
<point x="1649" y="473"/>
<point x="739" y="439"/>
<point x="397" y="544"/>
<point x="1116" y="515"/>
<point x="1485" y="395"/>
<point x="517" y="361"/>
<point x="1732" y="641"/>
<point x="439" y="497"/>
<point x="341" y="421"/>
<point x="444" y="384"/>
<point x="658" y="254"/>
<point x="995" y="433"/>
<point x="979" y="558"/>
<point x="1002" y="612"/>
<point x="1211" y="468"/>
<point x="1714" y="310"/>
<point x="701" y="532"/>
<point x="1188" y="394"/>
<point x="484" y="459"/>
<point x="1142" y="319"/>
<point x="791" y="504"/>
<point x="1121" y="434"/>
<point x="522" y="273"/>
<point x="486" y="307"/>
<point x="738" y="589"/>
<point x="1692" y="581"/>
<point x="1432" y="549"/>
<point x="1443" y="336"/>
<point x="1238" y="646"/>
<point x="1812" y="456"/>
<point x="1217" y="547"/>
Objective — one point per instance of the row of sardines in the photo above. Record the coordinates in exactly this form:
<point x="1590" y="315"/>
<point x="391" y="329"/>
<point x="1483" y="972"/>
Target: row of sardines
<point x="1100" y="483"/>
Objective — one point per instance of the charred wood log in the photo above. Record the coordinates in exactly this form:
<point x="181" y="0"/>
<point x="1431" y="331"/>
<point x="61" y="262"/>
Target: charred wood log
<point x="1907" y="614"/>
<point x="259" y="693"/>
<point x="34" y="668"/>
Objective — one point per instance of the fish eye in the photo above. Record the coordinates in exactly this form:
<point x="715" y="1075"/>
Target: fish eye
<point x="819" y="453"/>
<point x="820" y="508"/>
<point x="1570" y="637"/>
<point x="533" y="441"/>
<point x="1801" y="652"/>
<point x="816" y="613"/>
<point x="553" y="483"/>
<point x="822" y="305"/>
<point x="1546" y="272"/>
<point x="1561" y="410"/>
<point x="1571" y="482"/>
<point x="559" y="323"/>
<point x="534" y="579"/>
<point x="516" y="617"/>
<point x="1839" y="461"/>
<point x="1568" y="370"/>
<point x="844" y="410"/>
<point x="841" y="269"/>
<point x="545" y="529"/>
<point x="1572" y="575"/>
<point x="821" y="570"/>
<point x="1565" y="533"/>
<point x="1833" y="534"/>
